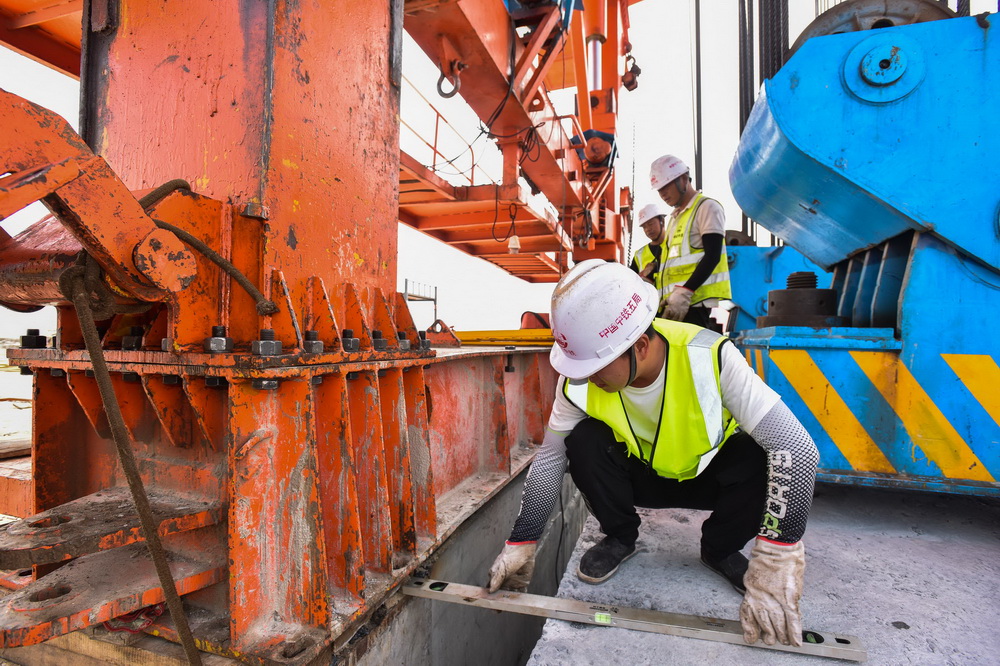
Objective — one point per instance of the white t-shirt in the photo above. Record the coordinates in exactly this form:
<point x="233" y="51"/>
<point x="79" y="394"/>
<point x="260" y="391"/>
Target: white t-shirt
<point x="744" y="394"/>
<point x="710" y="219"/>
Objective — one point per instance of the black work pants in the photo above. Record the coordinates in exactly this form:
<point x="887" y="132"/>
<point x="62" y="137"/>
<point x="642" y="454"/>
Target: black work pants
<point x="732" y="487"/>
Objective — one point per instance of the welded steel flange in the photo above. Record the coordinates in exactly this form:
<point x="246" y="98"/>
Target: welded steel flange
<point x="855" y="15"/>
<point x="802" y="304"/>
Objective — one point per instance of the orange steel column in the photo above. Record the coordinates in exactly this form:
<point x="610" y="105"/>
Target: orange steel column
<point x="284" y="108"/>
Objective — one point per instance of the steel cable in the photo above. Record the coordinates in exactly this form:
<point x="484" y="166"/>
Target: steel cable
<point x="78" y="292"/>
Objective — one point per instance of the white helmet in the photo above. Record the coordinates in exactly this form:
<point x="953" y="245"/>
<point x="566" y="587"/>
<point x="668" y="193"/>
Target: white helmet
<point x="599" y="310"/>
<point x="666" y="169"/>
<point x="649" y="211"/>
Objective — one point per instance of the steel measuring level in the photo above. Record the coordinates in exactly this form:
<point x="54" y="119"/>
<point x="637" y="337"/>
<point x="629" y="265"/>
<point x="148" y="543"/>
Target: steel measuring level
<point x="814" y="643"/>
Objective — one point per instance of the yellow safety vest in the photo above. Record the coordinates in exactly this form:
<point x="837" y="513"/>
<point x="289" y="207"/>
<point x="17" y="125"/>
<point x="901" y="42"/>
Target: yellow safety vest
<point x="693" y="423"/>
<point x="682" y="259"/>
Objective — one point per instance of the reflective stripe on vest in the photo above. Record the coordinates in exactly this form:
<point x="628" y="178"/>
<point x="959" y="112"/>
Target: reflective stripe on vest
<point x="693" y="424"/>
<point x="682" y="259"/>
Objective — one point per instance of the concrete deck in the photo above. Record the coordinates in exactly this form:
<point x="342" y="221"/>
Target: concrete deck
<point x="915" y="576"/>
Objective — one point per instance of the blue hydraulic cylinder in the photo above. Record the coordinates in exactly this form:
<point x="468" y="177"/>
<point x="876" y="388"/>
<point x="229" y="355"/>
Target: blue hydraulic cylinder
<point x="864" y="135"/>
<point x="876" y="155"/>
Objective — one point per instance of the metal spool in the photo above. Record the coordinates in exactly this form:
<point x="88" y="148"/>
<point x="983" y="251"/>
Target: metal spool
<point x="855" y="15"/>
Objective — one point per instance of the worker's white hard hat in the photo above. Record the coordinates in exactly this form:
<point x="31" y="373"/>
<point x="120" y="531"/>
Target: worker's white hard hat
<point x="665" y="169"/>
<point x="649" y="211"/>
<point x="599" y="310"/>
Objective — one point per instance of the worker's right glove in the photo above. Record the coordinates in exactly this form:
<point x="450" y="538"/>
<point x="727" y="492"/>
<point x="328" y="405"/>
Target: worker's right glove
<point x="513" y="567"/>
<point x="678" y="303"/>
<point x="773" y="581"/>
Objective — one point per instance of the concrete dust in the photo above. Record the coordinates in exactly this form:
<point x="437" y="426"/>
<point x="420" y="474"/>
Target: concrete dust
<point x="915" y="576"/>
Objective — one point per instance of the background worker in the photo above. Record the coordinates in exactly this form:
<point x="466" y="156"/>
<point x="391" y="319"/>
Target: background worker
<point x="646" y="262"/>
<point x="659" y="414"/>
<point x="696" y="270"/>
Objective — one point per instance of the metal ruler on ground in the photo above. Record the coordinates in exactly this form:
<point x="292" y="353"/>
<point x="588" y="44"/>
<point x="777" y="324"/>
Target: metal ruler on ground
<point x="815" y="643"/>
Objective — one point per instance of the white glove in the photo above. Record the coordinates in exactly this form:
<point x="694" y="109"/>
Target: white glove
<point x="513" y="567"/>
<point x="773" y="580"/>
<point x="678" y="303"/>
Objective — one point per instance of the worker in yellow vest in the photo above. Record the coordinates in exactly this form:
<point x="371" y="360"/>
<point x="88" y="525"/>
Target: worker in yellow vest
<point x="696" y="270"/>
<point x="656" y="413"/>
<point x="647" y="260"/>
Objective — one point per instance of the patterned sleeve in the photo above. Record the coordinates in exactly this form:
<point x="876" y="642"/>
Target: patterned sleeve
<point x="541" y="488"/>
<point x="792" y="458"/>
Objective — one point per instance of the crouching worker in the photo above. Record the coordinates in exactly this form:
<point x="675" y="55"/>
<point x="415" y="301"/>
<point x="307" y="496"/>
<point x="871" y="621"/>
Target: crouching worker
<point x="662" y="414"/>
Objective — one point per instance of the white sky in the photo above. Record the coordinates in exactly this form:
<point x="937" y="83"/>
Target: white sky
<point x="476" y="295"/>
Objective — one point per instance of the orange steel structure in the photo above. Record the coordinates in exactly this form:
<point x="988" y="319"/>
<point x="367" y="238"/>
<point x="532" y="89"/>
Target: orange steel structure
<point x="302" y="446"/>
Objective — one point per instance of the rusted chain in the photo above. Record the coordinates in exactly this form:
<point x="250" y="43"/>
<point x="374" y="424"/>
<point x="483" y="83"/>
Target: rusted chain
<point x="77" y="289"/>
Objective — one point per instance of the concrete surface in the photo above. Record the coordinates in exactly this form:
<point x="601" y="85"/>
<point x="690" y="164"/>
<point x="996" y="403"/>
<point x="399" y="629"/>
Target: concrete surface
<point x="915" y="576"/>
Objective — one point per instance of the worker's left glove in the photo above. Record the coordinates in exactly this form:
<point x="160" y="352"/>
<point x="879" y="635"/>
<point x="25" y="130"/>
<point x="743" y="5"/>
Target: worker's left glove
<point x="513" y="567"/>
<point x="678" y="303"/>
<point x="773" y="581"/>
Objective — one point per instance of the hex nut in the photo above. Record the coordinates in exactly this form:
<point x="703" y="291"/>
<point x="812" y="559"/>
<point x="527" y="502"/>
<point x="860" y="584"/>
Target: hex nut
<point x="312" y="346"/>
<point x="216" y="345"/>
<point x="265" y="347"/>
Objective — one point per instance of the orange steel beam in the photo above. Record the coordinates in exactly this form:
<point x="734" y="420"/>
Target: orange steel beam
<point x="482" y="34"/>
<point x="42" y="46"/>
<point x="47" y="160"/>
<point x="36" y="16"/>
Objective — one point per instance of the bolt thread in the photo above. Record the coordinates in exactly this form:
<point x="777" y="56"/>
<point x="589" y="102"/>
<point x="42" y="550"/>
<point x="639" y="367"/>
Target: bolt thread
<point x="267" y="334"/>
<point x="376" y="334"/>
<point x="218" y="331"/>
<point x="348" y="333"/>
<point x="802" y="280"/>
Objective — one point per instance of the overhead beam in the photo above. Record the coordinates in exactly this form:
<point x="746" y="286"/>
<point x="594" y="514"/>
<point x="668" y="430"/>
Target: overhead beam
<point x="41" y="47"/>
<point x="50" y="13"/>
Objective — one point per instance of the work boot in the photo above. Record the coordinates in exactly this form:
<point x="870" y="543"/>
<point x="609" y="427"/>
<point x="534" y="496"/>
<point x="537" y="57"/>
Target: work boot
<point x="731" y="567"/>
<point x="603" y="559"/>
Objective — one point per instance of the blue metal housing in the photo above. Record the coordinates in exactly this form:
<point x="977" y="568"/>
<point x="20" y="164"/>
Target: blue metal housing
<point x="876" y="155"/>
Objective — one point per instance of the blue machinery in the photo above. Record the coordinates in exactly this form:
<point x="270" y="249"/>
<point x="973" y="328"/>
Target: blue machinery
<point x="876" y="155"/>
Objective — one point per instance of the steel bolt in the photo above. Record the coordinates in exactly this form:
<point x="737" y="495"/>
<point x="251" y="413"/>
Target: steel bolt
<point x="312" y="344"/>
<point x="262" y="384"/>
<point x="25" y="370"/>
<point x="316" y="380"/>
<point x="267" y="345"/>
<point x="425" y="344"/>
<point x="218" y="343"/>
<point x="404" y="344"/>
<point x="57" y="372"/>
<point x="216" y="382"/>
<point x="171" y="380"/>
<point x="133" y="341"/>
<point x="165" y="345"/>
<point x="88" y="373"/>
<point x="33" y="340"/>
<point x="349" y="342"/>
<point x="131" y="377"/>
<point x="378" y="342"/>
